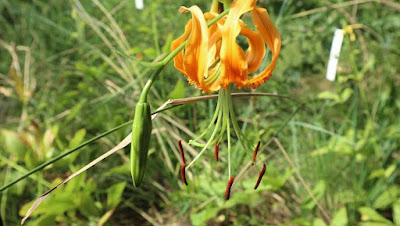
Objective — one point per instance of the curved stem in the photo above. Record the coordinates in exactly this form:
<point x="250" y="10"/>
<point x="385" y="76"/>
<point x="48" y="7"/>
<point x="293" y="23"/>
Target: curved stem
<point x="149" y="83"/>
<point x="22" y="170"/>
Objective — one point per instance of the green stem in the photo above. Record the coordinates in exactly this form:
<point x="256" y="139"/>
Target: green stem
<point x="149" y="83"/>
<point x="23" y="170"/>
<point x="219" y="16"/>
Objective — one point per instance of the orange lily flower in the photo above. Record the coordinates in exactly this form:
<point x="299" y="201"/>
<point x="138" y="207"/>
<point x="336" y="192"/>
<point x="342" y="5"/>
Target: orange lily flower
<point x="212" y="58"/>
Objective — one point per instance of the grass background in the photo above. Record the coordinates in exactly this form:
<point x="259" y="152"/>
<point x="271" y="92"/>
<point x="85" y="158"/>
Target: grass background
<point x="62" y="81"/>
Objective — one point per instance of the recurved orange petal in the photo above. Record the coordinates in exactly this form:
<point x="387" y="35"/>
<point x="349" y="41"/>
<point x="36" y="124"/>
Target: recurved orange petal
<point x="178" y="59"/>
<point x="213" y="81"/>
<point x="233" y="59"/>
<point x="271" y="36"/>
<point x="256" y="51"/>
<point x="195" y="58"/>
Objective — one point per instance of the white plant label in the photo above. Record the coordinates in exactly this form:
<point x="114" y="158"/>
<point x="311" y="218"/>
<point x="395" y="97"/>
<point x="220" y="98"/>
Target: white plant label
<point x="334" y="55"/>
<point x="139" y="4"/>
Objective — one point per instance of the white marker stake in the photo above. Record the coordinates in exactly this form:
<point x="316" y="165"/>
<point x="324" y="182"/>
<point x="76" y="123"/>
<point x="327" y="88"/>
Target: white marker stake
<point x="334" y="55"/>
<point x="139" y="4"/>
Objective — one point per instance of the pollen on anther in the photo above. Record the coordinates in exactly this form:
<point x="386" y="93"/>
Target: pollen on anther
<point x="181" y="151"/>
<point x="255" y="152"/>
<point x="228" y="188"/>
<point x="216" y="151"/>
<point x="183" y="174"/>
<point x="260" y="176"/>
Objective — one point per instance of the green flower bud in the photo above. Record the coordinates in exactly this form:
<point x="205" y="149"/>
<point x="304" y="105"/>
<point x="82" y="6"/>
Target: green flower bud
<point x="141" y="132"/>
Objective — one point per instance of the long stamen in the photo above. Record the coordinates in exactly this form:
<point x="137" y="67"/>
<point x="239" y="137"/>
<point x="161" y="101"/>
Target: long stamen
<point x="183" y="174"/>
<point x="225" y="122"/>
<point x="255" y="152"/>
<point x="216" y="150"/>
<point x="242" y="139"/>
<point x="209" y="127"/>
<point x="260" y="176"/>
<point x="181" y="151"/>
<point x="216" y="128"/>
<point x="227" y="96"/>
<point x="228" y="188"/>
<point x="214" y="76"/>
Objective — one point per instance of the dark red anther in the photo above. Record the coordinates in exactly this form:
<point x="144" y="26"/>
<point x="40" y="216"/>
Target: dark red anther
<point x="260" y="176"/>
<point x="181" y="151"/>
<point x="228" y="188"/>
<point x="255" y="152"/>
<point x="183" y="173"/>
<point x="216" y="150"/>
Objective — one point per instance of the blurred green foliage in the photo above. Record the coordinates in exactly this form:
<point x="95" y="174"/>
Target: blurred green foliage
<point x="62" y="81"/>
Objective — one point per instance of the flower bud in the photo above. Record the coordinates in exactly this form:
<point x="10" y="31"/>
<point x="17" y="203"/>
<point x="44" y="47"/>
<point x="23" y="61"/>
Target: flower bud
<point x="141" y="132"/>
